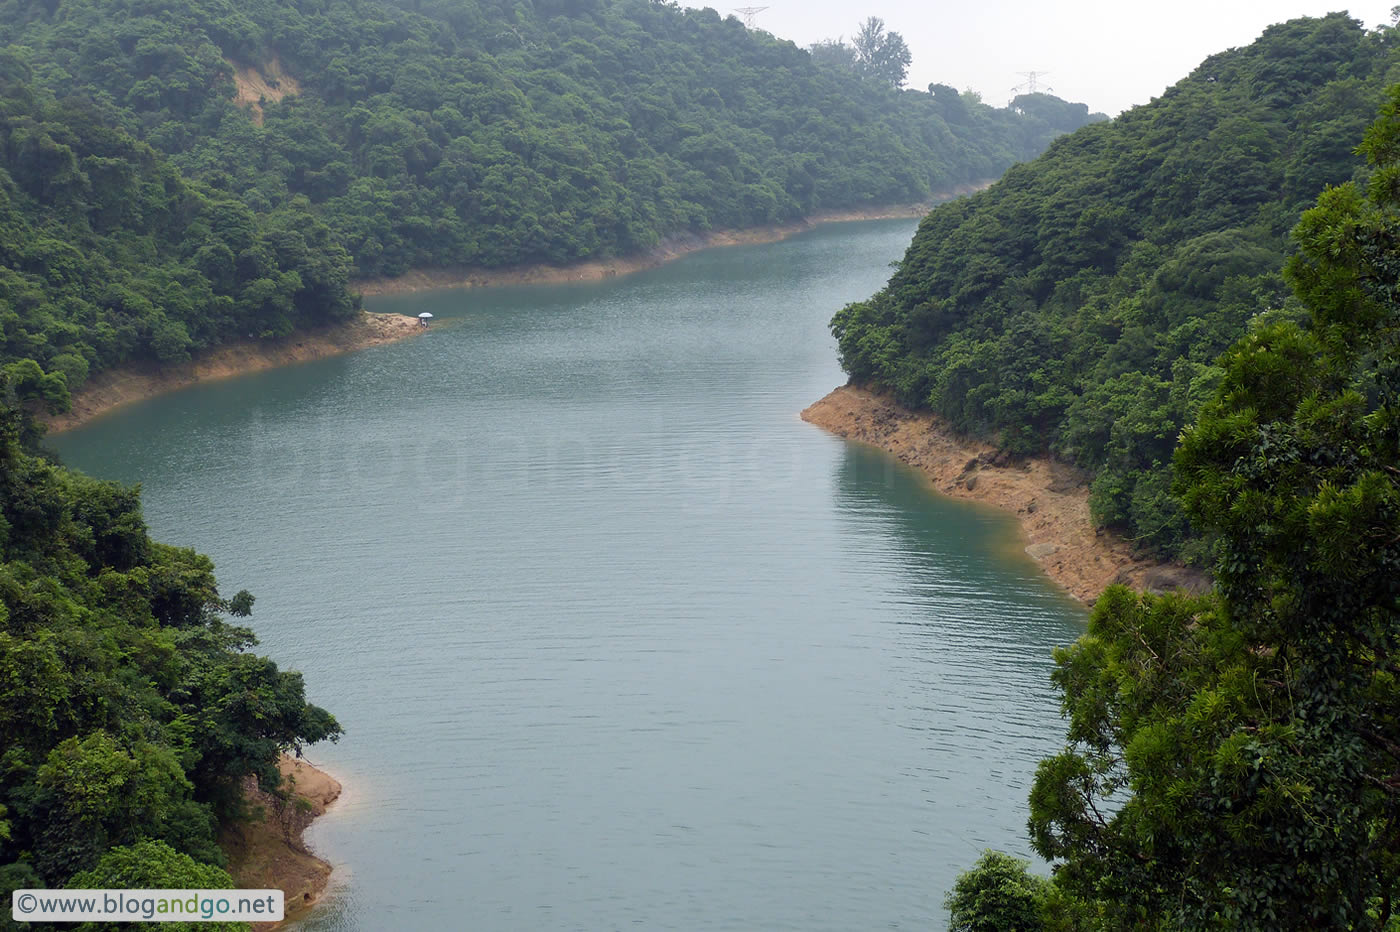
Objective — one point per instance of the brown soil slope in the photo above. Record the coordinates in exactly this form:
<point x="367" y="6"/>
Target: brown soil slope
<point x="116" y="387"/>
<point x="1050" y="499"/>
<point x="268" y="853"/>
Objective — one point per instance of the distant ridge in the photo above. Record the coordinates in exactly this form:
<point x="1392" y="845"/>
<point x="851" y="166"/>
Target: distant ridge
<point x="1079" y="304"/>
<point x="216" y="172"/>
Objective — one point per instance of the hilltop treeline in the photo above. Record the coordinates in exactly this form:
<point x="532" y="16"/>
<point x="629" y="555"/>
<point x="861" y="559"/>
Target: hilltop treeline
<point x="131" y="706"/>
<point x="148" y="214"/>
<point x="511" y="132"/>
<point x="1080" y="303"/>
<point x="1233" y="761"/>
<point x="108" y="254"/>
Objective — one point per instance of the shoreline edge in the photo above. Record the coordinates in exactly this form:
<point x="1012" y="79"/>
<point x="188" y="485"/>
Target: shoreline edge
<point x="111" y="389"/>
<point x="269" y="851"/>
<point x="1049" y="499"/>
<point x="668" y="250"/>
<point x="114" y="388"/>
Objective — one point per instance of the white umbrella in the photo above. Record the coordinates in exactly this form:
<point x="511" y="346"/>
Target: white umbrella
<point x="424" y="316"/>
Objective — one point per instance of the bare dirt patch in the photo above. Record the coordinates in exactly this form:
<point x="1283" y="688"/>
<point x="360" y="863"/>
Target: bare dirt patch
<point x="268" y="852"/>
<point x="113" y="388"/>
<point x="265" y="83"/>
<point x="1050" y="499"/>
<point x="673" y="248"/>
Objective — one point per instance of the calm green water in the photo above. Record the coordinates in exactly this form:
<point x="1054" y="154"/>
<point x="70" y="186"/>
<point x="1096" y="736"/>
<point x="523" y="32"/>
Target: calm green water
<point x="617" y="640"/>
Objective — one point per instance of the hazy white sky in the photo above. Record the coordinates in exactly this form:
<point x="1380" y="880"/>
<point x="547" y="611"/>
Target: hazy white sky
<point x="1110" y="55"/>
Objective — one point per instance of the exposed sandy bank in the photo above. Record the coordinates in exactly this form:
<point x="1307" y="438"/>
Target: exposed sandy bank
<point x="265" y="83"/>
<point x="116" y="387"/>
<point x="674" y="248"/>
<point x="1050" y="499"/>
<point x="269" y="853"/>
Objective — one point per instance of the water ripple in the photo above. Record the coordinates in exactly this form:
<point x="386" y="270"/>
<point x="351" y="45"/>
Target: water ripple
<point x="617" y="641"/>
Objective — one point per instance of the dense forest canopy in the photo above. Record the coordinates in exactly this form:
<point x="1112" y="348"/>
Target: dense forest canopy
<point x="149" y="214"/>
<point x="108" y="254"/>
<point x="509" y="132"/>
<point x="1233" y="761"/>
<point x="131" y="706"/>
<point x="872" y="53"/>
<point x="1080" y="303"/>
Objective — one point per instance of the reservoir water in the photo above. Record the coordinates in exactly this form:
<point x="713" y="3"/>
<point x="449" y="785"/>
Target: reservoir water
<point x="616" y="639"/>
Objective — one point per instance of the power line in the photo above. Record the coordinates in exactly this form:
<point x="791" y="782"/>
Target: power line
<point x="749" y="12"/>
<point x="1032" y="83"/>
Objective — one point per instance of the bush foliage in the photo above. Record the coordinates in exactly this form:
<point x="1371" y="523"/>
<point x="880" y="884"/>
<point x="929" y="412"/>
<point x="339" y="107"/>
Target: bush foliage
<point x="1079" y="305"/>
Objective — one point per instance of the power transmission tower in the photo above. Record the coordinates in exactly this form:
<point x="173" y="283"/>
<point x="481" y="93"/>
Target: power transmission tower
<point x="1032" y="83"/>
<point x="749" y="12"/>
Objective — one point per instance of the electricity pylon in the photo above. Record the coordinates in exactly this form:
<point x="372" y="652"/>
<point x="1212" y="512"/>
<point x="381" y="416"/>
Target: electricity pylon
<point x="749" y="12"/>
<point x="1032" y="83"/>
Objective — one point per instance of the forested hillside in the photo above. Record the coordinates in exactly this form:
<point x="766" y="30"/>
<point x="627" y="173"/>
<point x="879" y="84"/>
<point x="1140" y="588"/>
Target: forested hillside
<point x="131" y="707"/>
<point x="177" y="174"/>
<point x="1079" y="304"/>
<point x="107" y="254"/>
<point x="509" y="132"/>
<point x="1233" y="761"/>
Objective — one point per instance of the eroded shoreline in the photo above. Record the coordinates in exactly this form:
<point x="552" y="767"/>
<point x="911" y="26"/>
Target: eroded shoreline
<point x="670" y="250"/>
<point x="1050" y="499"/>
<point x="113" y="388"/>
<point x="269" y="853"/>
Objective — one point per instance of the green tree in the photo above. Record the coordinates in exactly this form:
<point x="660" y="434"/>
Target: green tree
<point x="833" y="53"/>
<point x="445" y="133"/>
<point x="998" y="894"/>
<point x="881" y="55"/>
<point x="1235" y="761"/>
<point x="131" y="708"/>
<point x="1108" y="274"/>
<point x="154" y="865"/>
